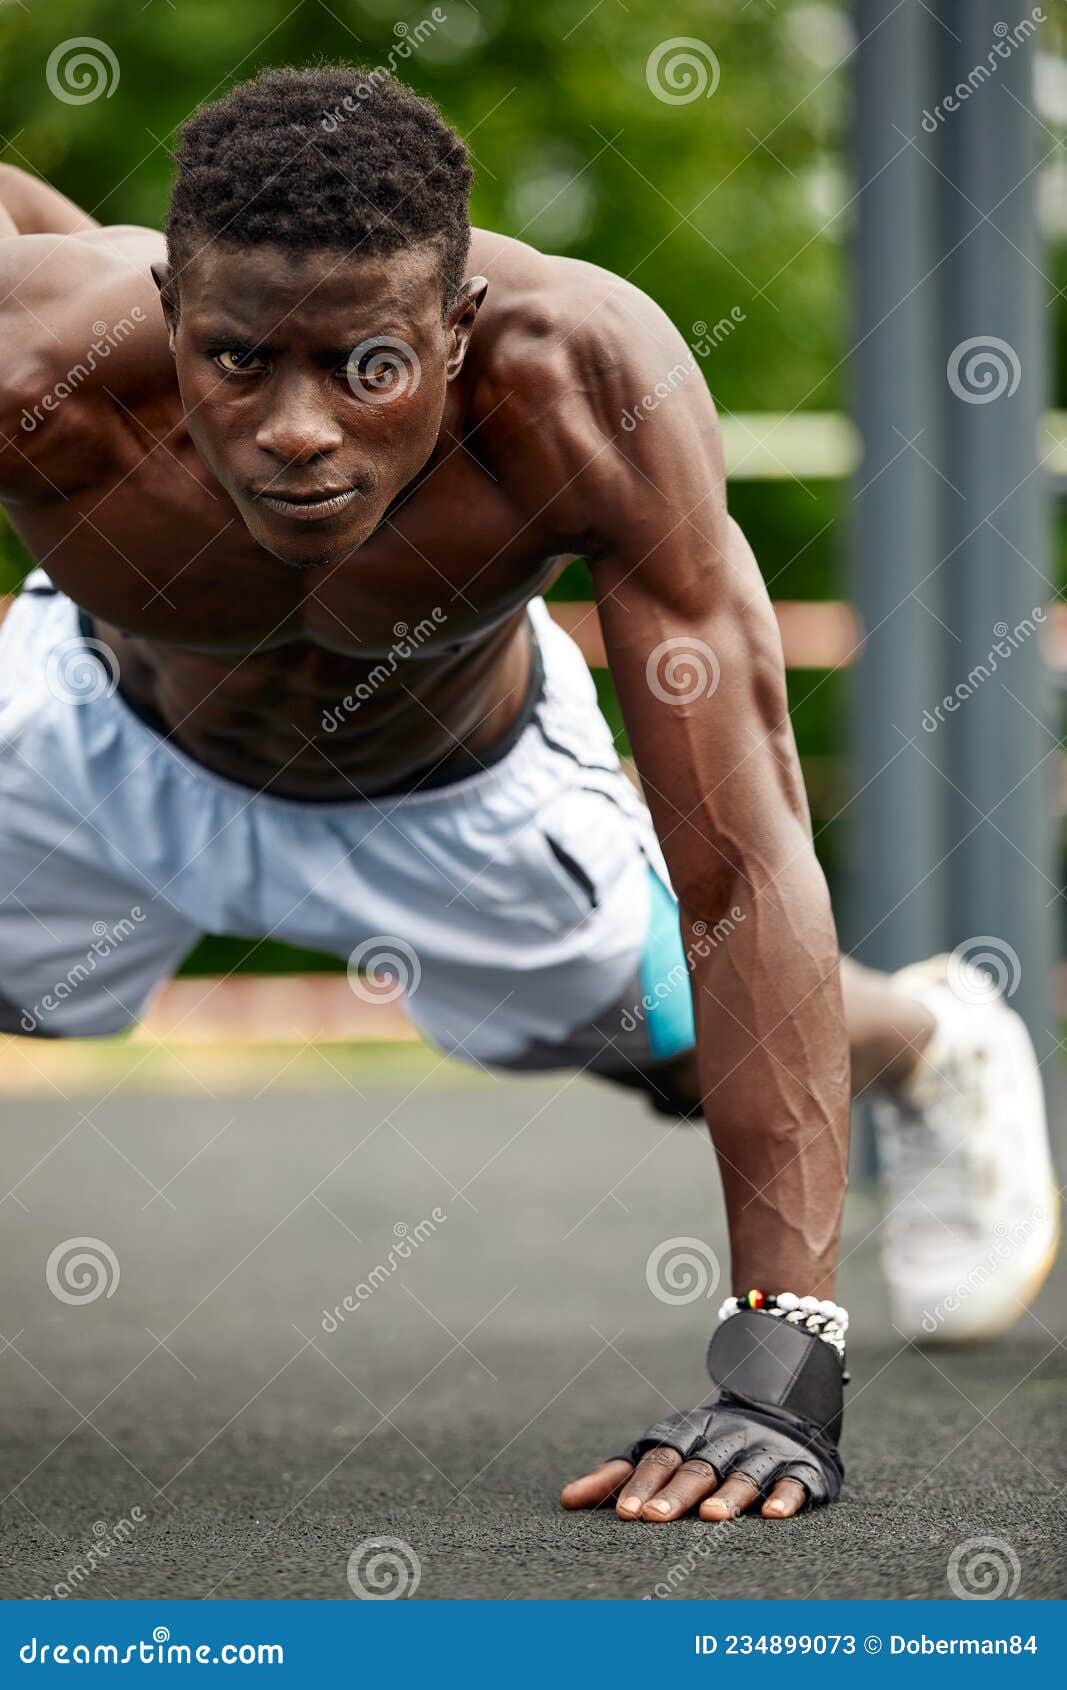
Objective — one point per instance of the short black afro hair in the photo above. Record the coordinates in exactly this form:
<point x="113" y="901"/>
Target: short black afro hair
<point x="339" y="157"/>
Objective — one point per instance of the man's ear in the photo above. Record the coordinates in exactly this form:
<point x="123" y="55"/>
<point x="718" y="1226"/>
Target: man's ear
<point x="163" y="277"/>
<point x="460" y="322"/>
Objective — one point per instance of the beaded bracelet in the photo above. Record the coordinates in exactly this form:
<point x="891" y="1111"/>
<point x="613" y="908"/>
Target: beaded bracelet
<point x="825" y="1319"/>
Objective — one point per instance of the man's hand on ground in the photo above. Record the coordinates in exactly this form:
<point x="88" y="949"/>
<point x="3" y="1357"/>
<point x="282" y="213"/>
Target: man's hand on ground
<point x="664" y="1487"/>
<point x="725" y="1457"/>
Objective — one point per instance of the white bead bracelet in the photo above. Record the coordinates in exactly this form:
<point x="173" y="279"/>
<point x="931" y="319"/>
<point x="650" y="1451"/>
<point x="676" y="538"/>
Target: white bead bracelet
<point x="820" y="1316"/>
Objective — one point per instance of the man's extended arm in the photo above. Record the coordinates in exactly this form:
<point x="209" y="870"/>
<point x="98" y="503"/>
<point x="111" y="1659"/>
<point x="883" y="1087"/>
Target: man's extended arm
<point x="696" y="657"/>
<point x="695" y="653"/>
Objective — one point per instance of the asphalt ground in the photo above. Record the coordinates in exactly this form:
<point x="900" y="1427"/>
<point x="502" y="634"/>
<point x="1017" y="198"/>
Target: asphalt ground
<point x="212" y="1433"/>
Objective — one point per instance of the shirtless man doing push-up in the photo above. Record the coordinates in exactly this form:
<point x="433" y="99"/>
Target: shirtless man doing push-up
<point x="297" y="474"/>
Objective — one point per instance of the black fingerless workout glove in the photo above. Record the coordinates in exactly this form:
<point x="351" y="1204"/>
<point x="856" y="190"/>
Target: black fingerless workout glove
<point x="778" y="1414"/>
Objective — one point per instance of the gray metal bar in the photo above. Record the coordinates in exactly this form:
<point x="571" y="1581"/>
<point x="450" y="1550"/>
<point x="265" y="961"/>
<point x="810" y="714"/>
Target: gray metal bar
<point x="895" y="906"/>
<point x="992" y="358"/>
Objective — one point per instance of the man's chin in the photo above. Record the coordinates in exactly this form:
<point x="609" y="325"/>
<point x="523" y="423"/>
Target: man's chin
<point x="316" y="553"/>
<point x="318" y="561"/>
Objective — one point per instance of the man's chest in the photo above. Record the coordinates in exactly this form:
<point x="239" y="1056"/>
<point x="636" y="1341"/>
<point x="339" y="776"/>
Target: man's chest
<point x="161" y="553"/>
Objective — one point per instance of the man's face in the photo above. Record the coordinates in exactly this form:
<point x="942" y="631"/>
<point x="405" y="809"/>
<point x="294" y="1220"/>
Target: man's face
<point x="314" y="384"/>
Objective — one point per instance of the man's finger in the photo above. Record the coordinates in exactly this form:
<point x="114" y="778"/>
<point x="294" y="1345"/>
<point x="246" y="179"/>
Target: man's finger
<point x="693" y="1481"/>
<point x="595" y="1487"/>
<point x="732" y="1498"/>
<point x="788" y="1497"/>
<point x="650" y="1475"/>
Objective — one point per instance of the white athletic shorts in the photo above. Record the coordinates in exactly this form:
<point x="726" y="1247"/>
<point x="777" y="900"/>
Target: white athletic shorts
<point x="525" y="907"/>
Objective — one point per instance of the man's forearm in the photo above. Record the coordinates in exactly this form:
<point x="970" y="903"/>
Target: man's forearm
<point x="774" y="1073"/>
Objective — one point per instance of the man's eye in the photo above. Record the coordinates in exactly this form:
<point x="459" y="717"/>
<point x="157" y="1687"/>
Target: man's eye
<point x="230" y="361"/>
<point x="383" y="369"/>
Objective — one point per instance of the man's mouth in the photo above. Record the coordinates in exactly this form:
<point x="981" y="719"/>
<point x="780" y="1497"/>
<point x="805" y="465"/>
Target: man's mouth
<point x="307" y="507"/>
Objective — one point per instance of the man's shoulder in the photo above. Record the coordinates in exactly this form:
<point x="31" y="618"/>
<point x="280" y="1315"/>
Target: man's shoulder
<point x="565" y="352"/>
<point x="79" y="320"/>
<point x="560" y="346"/>
<point x="547" y="315"/>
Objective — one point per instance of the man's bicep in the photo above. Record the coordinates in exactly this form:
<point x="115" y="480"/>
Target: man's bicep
<point x="59" y="294"/>
<point x="75" y="315"/>
<point x="696" y="657"/>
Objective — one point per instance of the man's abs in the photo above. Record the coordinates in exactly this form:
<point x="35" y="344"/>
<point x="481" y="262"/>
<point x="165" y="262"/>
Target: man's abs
<point x="305" y="722"/>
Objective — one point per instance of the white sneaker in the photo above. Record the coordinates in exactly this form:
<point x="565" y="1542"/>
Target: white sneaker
<point x="972" y="1220"/>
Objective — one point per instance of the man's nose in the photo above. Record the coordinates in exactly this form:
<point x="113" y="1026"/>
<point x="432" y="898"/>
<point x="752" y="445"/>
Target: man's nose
<point x="299" y="426"/>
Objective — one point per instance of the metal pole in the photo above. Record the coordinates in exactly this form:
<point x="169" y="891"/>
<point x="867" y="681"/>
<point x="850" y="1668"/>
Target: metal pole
<point x="1000" y="749"/>
<point x="895" y="910"/>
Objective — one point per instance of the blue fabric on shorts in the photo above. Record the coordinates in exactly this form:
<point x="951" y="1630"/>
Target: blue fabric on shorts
<point x="665" y="976"/>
